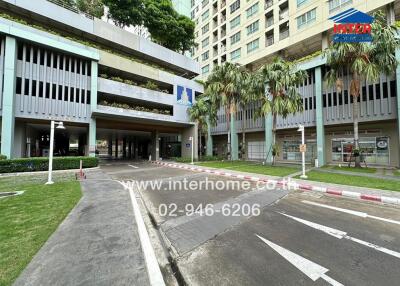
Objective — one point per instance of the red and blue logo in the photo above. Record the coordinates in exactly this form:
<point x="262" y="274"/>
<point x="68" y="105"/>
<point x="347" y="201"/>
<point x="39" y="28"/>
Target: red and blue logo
<point x="352" y="26"/>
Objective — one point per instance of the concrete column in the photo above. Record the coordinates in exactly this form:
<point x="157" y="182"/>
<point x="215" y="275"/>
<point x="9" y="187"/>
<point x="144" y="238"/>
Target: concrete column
<point x="8" y="118"/>
<point x="390" y="12"/>
<point x="92" y="137"/>
<point x="187" y="144"/>
<point x="398" y="97"/>
<point x="155" y="145"/>
<point x="130" y="149"/>
<point x="124" y="147"/>
<point x="319" y="115"/>
<point x="93" y="85"/>
<point x="234" y="138"/>
<point x="136" y="149"/>
<point x="209" y="150"/>
<point x="268" y="139"/>
<point x="116" y="148"/>
<point x="110" y="147"/>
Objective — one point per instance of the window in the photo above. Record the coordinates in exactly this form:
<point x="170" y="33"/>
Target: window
<point x="252" y="10"/>
<point x="306" y="18"/>
<point x="205" y="15"/>
<point x="205" y="56"/>
<point x="253" y="45"/>
<point x="235" y="54"/>
<point x="235" y="38"/>
<point x="253" y="27"/>
<point x="235" y="6"/>
<point x="301" y="2"/>
<point x="235" y="22"/>
<point x="205" y="69"/>
<point x="337" y="4"/>
<point x="205" y="42"/>
<point x="205" y="29"/>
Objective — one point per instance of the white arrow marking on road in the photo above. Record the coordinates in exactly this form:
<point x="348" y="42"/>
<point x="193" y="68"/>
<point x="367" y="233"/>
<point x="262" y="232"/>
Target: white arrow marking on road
<point x="135" y="167"/>
<point x="341" y="234"/>
<point x="355" y="213"/>
<point x="309" y="268"/>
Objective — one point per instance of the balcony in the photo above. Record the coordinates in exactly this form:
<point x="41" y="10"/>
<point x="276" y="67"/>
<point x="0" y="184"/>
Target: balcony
<point x="269" y="41"/>
<point x="268" y="4"/>
<point x="284" y="14"/>
<point x="283" y="34"/>
<point x="269" y="22"/>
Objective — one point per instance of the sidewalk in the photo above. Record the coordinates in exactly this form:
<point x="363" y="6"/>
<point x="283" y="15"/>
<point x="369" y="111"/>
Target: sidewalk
<point x="97" y="244"/>
<point x="362" y="193"/>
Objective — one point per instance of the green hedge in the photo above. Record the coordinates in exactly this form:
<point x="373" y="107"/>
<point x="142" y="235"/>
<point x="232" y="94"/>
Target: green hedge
<point x="42" y="164"/>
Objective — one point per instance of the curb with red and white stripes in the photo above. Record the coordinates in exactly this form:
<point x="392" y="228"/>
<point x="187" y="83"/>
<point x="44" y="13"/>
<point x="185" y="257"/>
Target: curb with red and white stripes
<point x="292" y="185"/>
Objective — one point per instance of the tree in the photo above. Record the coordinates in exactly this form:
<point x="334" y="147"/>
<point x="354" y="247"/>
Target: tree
<point x="275" y="87"/>
<point x="201" y="113"/>
<point x="125" y="12"/>
<point x="225" y="86"/>
<point x="91" y="7"/>
<point x="166" y="26"/>
<point x="365" y="61"/>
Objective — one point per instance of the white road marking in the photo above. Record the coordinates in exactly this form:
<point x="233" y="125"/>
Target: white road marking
<point x="134" y="167"/>
<point x="311" y="269"/>
<point x="153" y="269"/>
<point x="355" y="213"/>
<point x="341" y="234"/>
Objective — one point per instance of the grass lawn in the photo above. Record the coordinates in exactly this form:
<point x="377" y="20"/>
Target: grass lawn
<point x="353" y="180"/>
<point x="356" y="170"/>
<point x="28" y="220"/>
<point x="250" y="167"/>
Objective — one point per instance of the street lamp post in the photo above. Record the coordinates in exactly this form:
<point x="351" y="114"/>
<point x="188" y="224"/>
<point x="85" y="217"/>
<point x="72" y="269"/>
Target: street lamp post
<point x="60" y="125"/>
<point x="303" y="151"/>
<point x="192" y="143"/>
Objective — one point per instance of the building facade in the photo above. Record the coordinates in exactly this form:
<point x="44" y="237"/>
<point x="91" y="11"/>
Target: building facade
<point x="118" y="94"/>
<point x="183" y="7"/>
<point x="251" y="33"/>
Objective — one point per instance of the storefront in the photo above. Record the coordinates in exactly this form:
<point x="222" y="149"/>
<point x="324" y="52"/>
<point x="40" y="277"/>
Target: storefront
<point x="291" y="150"/>
<point x="375" y="150"/>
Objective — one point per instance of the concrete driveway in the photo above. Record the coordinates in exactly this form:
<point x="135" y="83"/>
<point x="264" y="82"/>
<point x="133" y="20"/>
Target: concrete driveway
<point x="296" y="239"/>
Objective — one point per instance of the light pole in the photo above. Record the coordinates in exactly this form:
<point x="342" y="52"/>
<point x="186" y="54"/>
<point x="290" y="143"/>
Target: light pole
<point x="60" y="125"/>
<point x="192" y="143"/>
<point x="303" y="151"/>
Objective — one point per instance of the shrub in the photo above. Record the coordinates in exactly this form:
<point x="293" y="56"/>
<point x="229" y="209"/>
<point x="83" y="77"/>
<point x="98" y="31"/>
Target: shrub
<point x="3" y="157"/>
<point x="42" y="164"/>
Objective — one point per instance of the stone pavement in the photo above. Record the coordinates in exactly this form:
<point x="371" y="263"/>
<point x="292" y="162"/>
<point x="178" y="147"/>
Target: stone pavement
<point x="97" y="244"/>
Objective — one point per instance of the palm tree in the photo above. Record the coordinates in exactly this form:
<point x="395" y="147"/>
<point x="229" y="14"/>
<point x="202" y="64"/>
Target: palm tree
<point x="275" y="87"/>
<point x="365" y="61"/>
<point x="224" y="87"/>
<point x="198" y="113"/>
<point x="247" y="97"/>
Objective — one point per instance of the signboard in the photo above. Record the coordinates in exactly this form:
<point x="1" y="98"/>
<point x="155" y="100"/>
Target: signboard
<point x="352" y="26"/>
<point x="382" y="143"/>
<point x="184" y="96"/>
<point x="303" y="148"/>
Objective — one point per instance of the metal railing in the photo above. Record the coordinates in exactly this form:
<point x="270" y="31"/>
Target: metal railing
<point x="70" y="8"/>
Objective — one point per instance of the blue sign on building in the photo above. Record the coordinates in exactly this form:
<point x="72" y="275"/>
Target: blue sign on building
<point x="352" y="26"/>
<point x="184" y="96"/>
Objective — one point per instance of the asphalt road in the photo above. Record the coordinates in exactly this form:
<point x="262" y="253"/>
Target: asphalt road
<point x="296" y="239"/>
